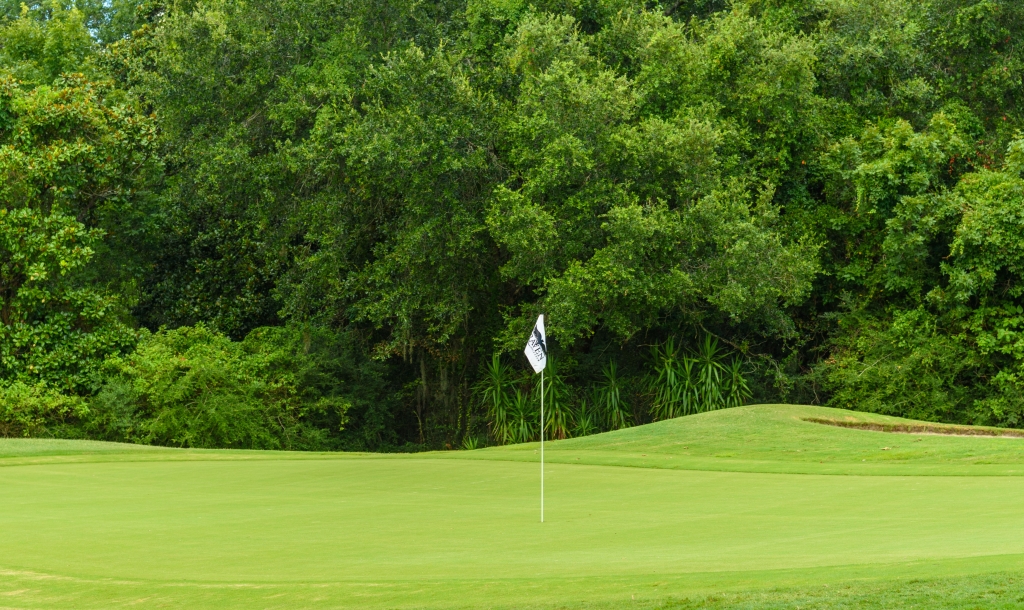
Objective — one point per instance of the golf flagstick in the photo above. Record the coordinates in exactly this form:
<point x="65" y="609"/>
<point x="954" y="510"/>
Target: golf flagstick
<point x="537" y="353"/>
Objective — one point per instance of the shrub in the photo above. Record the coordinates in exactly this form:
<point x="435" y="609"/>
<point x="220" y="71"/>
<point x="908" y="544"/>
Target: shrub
<point x="193" y="387"/>
<point x="907" y="365"/>
<point x="35" y="410"/>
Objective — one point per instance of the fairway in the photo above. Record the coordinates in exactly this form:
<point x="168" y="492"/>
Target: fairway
<point x="742" y="500"/>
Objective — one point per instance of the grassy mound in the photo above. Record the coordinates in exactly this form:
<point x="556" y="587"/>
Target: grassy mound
<point x="737" y="505"/>
<point x="791" y="439"/>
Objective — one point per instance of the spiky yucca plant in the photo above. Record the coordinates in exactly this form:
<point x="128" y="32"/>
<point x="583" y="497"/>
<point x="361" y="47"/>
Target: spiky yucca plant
<point x="585" y="418"/>
<point x="684" y="384"/>
<point x="610" y="398"/>
<point x="556" y="402"/>
<point x="523" y="418"/>
<point x="494" y="393"/>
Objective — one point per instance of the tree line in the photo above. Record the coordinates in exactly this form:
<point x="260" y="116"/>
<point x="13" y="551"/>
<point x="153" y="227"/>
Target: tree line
<point x="330" y="224"/>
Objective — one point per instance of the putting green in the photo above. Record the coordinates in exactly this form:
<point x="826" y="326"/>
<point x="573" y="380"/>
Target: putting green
<point x="747" y="499"/>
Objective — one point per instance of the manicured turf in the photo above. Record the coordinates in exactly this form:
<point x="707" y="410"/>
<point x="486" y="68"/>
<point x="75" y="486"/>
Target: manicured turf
<point x="751" y="507"/>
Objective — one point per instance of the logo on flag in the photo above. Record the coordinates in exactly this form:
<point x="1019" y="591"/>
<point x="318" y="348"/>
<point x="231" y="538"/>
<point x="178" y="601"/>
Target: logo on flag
<point x="537" y="348"/>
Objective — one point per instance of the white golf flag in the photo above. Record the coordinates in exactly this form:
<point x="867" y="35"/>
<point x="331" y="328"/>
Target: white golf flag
<point x="537" y="347"/>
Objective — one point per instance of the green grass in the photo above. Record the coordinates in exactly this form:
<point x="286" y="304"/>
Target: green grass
<point x="744" y="508"/>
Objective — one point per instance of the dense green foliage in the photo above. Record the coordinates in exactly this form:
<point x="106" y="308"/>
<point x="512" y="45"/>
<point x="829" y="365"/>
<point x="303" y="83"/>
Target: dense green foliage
<point x="830" y="191"/>
<point x="32" y="410"/>
<point x="74" y="165"/>
<point x="195" y="388"/>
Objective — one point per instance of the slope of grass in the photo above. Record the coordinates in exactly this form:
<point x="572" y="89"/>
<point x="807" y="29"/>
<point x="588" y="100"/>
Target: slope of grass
<point x="720" y="517"/>
<point x="779" y="438"/>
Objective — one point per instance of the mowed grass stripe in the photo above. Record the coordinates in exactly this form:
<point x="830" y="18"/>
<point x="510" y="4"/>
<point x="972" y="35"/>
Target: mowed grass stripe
<point x="432" y="519"/>
<point x="435" y="532"/>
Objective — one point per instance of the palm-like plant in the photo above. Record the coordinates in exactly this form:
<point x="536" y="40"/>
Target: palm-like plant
<point x="687" y="384"/>
<point x="610" y="398"/>
<point x="672" y="385"/>
<point x="493" y="391"/>
<point x="585" y="418"/>
<point x="556" y="402"/>
<point x="689" y="392"/>
<point x="737" y="391"/>
<point x="523" y="422"/>
<point x="709" y="375"/>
